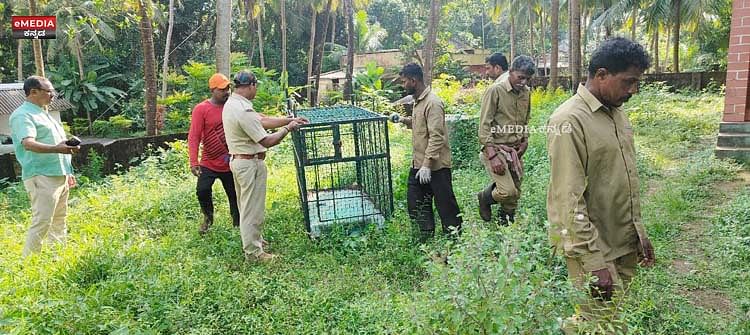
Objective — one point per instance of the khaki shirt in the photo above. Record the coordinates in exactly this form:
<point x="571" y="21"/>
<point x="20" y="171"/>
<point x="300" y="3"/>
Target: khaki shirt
<point x="593" y="201"/>
<point x="504" y="113"/>
<point x="429" y="135"/>
<point x="242" y="126"/>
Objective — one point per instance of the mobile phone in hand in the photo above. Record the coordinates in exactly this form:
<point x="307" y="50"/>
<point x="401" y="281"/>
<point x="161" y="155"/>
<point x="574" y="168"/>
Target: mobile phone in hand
<point x="73" y="142"/>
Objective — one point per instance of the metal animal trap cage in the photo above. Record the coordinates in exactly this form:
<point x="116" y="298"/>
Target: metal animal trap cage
<point x="343" y="168"/>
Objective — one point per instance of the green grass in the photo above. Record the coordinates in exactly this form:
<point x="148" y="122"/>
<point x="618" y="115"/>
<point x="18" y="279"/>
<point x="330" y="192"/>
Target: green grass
<point x="135" y="264"/>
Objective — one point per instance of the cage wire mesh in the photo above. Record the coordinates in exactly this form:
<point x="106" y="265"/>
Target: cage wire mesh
<point x="343" y="168"/>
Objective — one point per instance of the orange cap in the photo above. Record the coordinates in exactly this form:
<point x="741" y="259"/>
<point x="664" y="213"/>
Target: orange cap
<point x="219" y="81"/>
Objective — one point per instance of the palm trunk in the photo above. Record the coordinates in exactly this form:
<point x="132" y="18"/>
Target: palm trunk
<point x="666" y="49"/>
<point x="575" y="44"/>
<point x="333" y="29"/>
<point x="223" y="36"/>
<point x="583" y="31"/>
<point x="149" y="67"/>
<point x="249" y="5"/>
<point x="429" y="46"/>
<point x="19" y="60"/>
<point x="512" y="37"/>
<point x="311" y="53"/>
<point x="677" y="8"/>
<point x="165" y="61"/>
<point x="635" y="22"/>
<point x="319" y="51"/>
<point x="541" y="42"/>
<point x="283" y="37"/>
<point x="82" y="75"/>
<point x="260" y="43"/>
<point x="656" y="50"/>
<point x="348" y="88"/>
<point x="531" y="34"/>
<point x="555" y="44"/>
<point x="37" y="44"/>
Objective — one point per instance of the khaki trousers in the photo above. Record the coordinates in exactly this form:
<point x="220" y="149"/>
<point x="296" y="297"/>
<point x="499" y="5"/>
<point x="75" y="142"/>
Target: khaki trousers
<point x="49" y="207"/>
<point x="250" y="184"/>
<point x="600" y="312"/>
<point x="505" y="193"/>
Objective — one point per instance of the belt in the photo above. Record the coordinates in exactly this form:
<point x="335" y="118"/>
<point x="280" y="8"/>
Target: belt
<point x="260" y="155"/>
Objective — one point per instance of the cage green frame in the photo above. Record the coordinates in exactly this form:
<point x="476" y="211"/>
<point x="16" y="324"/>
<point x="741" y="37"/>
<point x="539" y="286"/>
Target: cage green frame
<point x="343" y="168"/>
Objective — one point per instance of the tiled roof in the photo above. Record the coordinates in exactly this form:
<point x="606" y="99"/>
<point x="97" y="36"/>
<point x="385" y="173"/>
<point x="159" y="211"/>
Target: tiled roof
<point x="11" y="96"/>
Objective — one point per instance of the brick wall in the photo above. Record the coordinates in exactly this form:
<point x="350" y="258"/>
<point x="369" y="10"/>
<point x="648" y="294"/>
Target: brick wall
<point x="738" y="63"/>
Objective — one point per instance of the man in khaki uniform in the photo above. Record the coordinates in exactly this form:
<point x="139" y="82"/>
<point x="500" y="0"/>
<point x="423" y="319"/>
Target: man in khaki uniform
<point x="430" y="175"/>
<point x="502" y="133"/>
<point x="495" y="66"/>
<point x="593" y="202"/>
<point x="247" y="140"/>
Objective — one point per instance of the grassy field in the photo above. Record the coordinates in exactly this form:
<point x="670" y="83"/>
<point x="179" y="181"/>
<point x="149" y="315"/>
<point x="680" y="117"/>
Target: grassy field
<point x="135" y="264"/>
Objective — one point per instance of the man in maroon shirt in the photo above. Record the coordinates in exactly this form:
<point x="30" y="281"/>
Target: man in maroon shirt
<point x="207" y="132"/>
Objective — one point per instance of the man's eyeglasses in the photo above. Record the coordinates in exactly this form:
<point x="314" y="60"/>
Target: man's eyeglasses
<point x="52" y="92"/>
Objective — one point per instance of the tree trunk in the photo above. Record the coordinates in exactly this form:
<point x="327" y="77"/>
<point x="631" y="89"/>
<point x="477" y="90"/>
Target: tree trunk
<point x="37" y="45"/>
<point x="554" y="38"/>
<point x="348" y="88"/>
<point x="656" y="50"/>
<point x="677" y="8"/>
<point x="283" y="37"/>
<point x="483" y="32"/>
<point x="575" y="44"/>
<point x="532" y="52"/>
<point x="541" y="42"/>
<point x="82" y="75"/>
<point x="666" y="49"/>
<point x="311" y="54"/>
<point x="333" y="29"/>
<point x="583" y="32"/>
<point x="149" y="66"/>
<point x="165" y="61"/>
<point x="320" y="50"/>
<point x="512" y="37"/>
<point x="429" y="44"/>
<point x="19" y="60"/>
<point x="260" y="43"/>
<point x="249" y="5"/>
<point x="223" y="36"/>
<point x="635" y="22"/>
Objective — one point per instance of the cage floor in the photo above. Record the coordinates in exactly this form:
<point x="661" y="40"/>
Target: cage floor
<point x="350" y="208"/>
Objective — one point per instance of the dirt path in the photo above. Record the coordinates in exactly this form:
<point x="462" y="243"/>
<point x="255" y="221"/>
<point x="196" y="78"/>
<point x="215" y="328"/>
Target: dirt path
<point x="694" y="260"/>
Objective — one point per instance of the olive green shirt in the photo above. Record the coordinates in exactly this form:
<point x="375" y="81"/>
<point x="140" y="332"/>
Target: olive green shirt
<point x="593" y="203"/>
<point x="504" y="113"/>
<point x="242" y="127"/>
<point x="429" y="135"/>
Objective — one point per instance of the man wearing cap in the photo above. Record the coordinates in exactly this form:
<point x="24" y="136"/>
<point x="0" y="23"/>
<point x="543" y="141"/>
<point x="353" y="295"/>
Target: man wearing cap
<point x="207" y="133"/>
<point x="247" y="139"/>
<point x="45" y="158"/>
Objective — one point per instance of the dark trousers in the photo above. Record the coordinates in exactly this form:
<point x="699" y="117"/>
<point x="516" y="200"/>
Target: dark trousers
<point x="419" y="198"/>
<point x="205" y="194"/>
